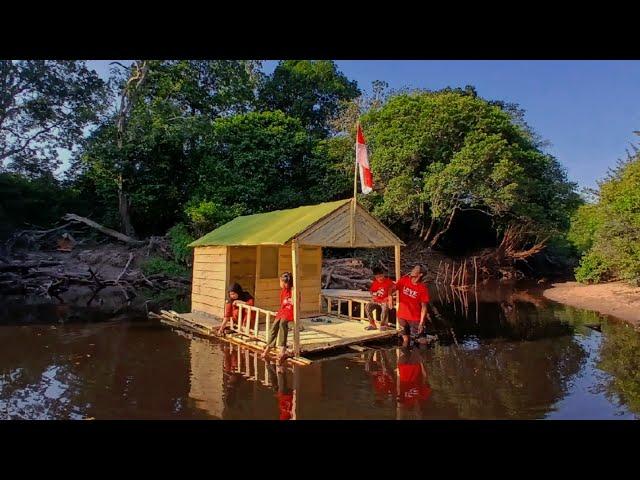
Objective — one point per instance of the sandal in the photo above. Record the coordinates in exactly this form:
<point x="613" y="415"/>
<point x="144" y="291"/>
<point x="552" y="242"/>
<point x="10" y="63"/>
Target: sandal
<point x="370" y="327"/>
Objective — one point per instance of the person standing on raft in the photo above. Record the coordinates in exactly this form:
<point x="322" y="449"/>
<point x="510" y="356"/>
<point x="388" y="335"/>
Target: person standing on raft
<point x="413" y="299"/>
<point x="280" y="326"/>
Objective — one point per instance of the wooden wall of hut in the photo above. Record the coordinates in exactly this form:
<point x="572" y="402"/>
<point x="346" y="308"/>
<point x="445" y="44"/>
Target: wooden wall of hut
<point x="209" y="280"/>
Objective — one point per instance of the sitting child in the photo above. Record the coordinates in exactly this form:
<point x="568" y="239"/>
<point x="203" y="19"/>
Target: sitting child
<point x="236" y="295"/>
<point x="381" y="299"/>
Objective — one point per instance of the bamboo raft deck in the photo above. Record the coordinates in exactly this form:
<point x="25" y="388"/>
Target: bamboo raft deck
<point x="319" y="332"/>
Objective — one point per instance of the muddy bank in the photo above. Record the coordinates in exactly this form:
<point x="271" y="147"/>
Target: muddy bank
<point x="616" y="298"/>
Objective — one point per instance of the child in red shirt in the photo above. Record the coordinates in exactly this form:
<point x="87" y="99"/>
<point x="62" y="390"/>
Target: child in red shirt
<point x="381" y="299"/>
<point x="280" y="327"/>
<point x="413" y="298"/>
<point x="236" y="295"/>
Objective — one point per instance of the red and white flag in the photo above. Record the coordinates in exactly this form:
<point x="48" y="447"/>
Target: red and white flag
<point x="362" y="160"/>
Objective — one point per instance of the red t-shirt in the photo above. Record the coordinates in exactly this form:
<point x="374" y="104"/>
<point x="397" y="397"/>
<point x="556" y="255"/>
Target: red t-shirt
<point x="411" y="298"/>
<point x="285" y="403"/>
<point x="383" y="383"/>
<point x="231" y="310"/>
<point x="380" y="290"/>
<point x="286" y="305"/>
<point x="412" y="387"/>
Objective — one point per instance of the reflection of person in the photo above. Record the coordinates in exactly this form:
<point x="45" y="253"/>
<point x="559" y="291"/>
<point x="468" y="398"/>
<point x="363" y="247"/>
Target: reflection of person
<point x="278" y="378"/>
<point x="230" y="375"/>
<point x="413" y="380"/>
<point x="413" y="297"/>
<point x="280" y="326"/>
<point x="236" y="296"/>
<point x="383" y="382"/>
<point x="381" y="299"/>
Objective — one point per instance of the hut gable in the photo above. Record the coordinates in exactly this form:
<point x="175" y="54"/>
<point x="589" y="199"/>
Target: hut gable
<point x="334" y="230"/>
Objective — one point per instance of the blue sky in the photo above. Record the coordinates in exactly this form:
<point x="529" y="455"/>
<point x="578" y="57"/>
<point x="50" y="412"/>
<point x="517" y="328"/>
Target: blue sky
<point x="587" y="110"/>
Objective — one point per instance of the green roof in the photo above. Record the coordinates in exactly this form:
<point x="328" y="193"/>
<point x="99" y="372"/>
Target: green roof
<point x="271" y="228"/>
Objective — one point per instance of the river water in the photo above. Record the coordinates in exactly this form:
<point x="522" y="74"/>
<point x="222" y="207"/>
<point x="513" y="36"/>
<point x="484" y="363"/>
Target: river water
<point x="515" y="356"/>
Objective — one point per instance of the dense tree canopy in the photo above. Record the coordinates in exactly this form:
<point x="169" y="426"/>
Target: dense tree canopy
<point x="312" y="91"/>
<point x="435" y="154"/>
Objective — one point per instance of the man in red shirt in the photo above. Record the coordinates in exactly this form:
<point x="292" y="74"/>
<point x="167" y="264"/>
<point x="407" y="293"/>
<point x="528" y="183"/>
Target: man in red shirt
<point x="381" y="299"/>
<point x="413" y="298"/>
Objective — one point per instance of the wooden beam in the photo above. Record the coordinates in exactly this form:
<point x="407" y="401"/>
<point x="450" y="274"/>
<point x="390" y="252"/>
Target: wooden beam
<point x="295" y="266"/>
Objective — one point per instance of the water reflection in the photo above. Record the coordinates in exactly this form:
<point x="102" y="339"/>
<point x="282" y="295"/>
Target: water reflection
<point x="521" y="358"/>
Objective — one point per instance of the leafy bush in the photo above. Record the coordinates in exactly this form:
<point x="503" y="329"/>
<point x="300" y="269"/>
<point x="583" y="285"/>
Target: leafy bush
<point x="180" y="238"/>
<point x="159" y="265"/>
<point x="592" y="268"/>
<point x="609" y="231"/>
<point x="205" y="216"/>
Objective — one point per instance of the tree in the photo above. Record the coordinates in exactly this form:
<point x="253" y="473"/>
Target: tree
<point x="608" y="231"/>
<point x="312" y="91"/>
<point x="45" y="105"/>
<point x="145" y="157"/>
<point x="435" y="154"/>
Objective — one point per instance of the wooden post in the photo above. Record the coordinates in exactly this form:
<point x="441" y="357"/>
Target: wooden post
<point x="297" y="282"/>
<point x="350" y="308"/>
<point x="396" y="249"/>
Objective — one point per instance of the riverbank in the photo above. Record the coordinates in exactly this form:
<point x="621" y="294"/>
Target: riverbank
<point x="615" y="298"/>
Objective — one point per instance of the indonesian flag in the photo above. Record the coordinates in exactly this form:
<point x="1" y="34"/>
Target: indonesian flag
<point x="362" y="160"/>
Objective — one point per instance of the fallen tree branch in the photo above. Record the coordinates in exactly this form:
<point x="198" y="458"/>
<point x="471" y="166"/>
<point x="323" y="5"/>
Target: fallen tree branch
<point x="107" y="231"/>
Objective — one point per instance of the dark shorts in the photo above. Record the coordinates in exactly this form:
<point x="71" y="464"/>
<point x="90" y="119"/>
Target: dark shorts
<point x="409" y="328"/>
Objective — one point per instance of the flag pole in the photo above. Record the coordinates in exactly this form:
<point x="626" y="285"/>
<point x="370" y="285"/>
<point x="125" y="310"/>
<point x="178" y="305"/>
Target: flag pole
<point x="352" y="220"/>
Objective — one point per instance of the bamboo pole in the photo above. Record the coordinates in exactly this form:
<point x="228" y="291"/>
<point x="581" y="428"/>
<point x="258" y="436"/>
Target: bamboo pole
<point x="453" y="273"/>
<point x="446" y="272"/>
<point x="475" y="283"/>
<point x="295" y="264"/>
<point x="438" y="272"/>
<point x="396" y="251"/>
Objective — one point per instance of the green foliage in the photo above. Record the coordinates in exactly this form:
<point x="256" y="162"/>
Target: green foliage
<point x="619" y="358"/>
<point x="311" y="91"/>
<point x="257" y="162"/>
<point x="159" y="265"/>
<point x="592" y="269"/>
<point x="205" y="216"/>
<point x="45" y="105"/>
<point x="609" y="231"/>
<point x="436" y="153"/>
<point x="180" y="237"/>
<point x="585" y="222"/>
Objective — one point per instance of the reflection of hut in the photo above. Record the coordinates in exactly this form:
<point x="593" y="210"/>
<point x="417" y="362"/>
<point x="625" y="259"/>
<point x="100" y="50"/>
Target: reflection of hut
<point x="255" y="250"/>
<point x="206" y="377"/>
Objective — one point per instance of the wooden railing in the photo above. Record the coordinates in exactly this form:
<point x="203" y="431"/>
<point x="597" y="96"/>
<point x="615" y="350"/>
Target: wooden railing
<point x="243" y="325"/>
<point x="327" y="303"/>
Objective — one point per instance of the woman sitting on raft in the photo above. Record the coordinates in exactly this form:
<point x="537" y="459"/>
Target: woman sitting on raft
<point x="236" y="295"/>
